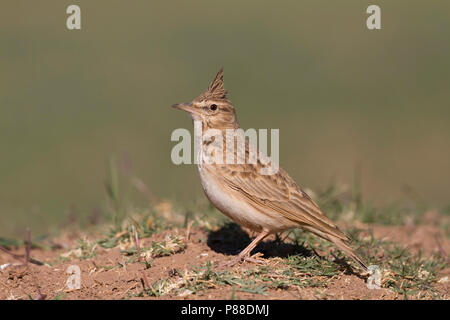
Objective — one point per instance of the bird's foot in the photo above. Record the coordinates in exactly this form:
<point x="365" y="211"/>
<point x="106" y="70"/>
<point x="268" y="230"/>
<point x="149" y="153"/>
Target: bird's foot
<point x="255" y="258"/>
<point x="238" y="259"/>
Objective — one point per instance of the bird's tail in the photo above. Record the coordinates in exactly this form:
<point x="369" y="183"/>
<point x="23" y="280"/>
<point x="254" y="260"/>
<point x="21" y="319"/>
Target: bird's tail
<point x="349" y="251"/>
<point x="339" y="239"/>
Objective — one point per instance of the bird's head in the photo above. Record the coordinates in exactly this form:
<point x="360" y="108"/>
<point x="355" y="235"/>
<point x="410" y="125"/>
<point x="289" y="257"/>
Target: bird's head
<point x="212" y="107"/>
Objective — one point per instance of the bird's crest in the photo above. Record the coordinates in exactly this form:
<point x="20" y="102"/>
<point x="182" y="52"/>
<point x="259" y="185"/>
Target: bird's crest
<point x="216" y="90"/>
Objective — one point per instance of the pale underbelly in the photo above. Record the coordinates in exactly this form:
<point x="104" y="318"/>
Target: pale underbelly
<point x="238" y="210"/>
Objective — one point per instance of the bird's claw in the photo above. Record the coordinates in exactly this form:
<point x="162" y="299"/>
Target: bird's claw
<point x="238" y="259"/>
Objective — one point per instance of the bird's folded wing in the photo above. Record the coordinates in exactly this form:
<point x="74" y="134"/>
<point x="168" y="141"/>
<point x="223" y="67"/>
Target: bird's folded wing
<point x="276" y="193"/>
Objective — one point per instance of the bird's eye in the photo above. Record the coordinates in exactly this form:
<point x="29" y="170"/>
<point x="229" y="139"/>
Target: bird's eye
<point x="213" y="107"/>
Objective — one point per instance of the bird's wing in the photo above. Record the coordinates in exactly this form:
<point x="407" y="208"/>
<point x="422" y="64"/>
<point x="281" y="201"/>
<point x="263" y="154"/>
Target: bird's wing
<point x="276" y="193"/>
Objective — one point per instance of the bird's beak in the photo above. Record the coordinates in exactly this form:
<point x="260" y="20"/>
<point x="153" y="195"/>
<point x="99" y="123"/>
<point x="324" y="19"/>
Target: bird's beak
<point x="185" y="106"/>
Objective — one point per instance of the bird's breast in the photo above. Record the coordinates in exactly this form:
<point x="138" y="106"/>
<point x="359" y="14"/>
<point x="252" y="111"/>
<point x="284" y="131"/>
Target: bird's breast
<point x="235" y="206"/>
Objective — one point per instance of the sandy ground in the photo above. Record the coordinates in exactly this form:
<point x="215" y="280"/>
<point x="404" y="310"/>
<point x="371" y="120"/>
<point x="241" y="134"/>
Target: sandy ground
<point x="108" y="276"/>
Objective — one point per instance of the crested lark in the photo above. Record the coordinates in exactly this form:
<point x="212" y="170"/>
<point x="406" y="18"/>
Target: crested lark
<point x="263" y="203"/>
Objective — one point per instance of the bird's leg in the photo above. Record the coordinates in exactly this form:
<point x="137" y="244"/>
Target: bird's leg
<point x="244" y="253"/>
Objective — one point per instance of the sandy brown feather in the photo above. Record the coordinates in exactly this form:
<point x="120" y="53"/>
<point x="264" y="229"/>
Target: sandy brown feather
<point x="275" y="195"/>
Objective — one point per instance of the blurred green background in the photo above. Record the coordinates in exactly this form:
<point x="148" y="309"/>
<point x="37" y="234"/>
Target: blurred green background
<point x="342" y="96"/>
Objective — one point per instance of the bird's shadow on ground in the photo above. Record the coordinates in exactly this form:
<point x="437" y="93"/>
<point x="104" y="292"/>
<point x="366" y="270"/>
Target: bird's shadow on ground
<point x="231" y="239"/>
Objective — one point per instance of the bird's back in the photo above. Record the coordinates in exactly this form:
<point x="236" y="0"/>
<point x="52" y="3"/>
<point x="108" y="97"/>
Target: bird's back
<point x="275" y="195"/>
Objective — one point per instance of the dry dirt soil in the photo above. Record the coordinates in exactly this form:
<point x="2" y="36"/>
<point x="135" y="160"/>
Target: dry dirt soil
<point x="173" y="272"/>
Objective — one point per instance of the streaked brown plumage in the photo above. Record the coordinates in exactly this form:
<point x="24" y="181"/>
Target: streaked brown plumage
<point x="263" y="203"/>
